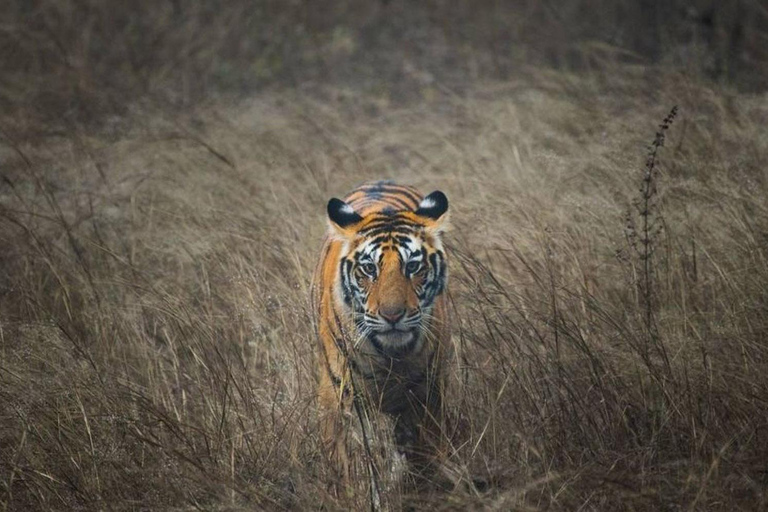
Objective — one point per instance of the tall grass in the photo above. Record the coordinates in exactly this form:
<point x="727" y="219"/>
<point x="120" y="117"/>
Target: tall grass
<point x="155" y="343"/>
<point x="156" y="349"/>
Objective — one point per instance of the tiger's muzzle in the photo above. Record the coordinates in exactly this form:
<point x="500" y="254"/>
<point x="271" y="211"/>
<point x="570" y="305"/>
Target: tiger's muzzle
<point x="394" y="334"/>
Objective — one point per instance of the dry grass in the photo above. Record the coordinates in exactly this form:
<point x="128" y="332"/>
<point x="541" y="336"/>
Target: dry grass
<point x="155" y="348"/>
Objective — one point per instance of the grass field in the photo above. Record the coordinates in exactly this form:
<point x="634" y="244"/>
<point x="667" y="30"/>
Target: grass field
<point x="610" y="312"/>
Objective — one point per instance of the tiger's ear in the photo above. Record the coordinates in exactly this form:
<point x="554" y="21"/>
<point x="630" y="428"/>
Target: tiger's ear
<point x="433" y="209"/>
<point x="342" y="217"/>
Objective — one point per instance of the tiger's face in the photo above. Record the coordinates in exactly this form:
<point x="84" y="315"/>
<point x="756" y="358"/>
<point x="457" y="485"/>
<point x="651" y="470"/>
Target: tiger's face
<point x="391" y="269"/>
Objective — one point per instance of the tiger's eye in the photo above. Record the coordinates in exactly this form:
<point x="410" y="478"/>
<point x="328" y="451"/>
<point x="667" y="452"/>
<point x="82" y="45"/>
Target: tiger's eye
<point x="369" y="268"/>
<point x="412" y="267"/>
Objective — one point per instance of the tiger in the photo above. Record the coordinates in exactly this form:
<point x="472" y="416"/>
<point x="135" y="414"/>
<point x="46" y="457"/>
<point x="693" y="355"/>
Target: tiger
<point x="381" y="319"/>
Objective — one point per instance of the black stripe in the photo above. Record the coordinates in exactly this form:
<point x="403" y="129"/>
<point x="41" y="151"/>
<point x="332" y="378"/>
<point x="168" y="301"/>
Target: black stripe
<point x="394" y="220"/>
<point x="362" y="203"/>
<point x="401" y="228"/>
<point x="435" y="287"/>
<point x="441" y="277"/>
<point x="371" y="200"/>
<point x="335" y="379"/>
<point x="398" y="201"/>
<point x="325" y="359"/>
<point x="393" y="189"/>
<point x="397" y="231"/>
<point x="380" y="240"/>
<point x="346" y="286"/>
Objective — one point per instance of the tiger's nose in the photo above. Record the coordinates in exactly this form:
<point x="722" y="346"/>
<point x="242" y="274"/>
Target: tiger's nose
<point x="392" y="314"/>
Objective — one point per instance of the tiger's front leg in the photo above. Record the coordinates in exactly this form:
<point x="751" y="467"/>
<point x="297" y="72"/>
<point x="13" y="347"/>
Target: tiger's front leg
<point x="335" y="407"/>
<point x="420" y="434"/>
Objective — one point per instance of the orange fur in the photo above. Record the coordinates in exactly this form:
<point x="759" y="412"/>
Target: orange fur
<point x="408" y="387"/>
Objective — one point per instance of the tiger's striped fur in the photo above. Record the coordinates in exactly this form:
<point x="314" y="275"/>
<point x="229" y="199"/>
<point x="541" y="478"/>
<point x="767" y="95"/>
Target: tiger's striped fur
<point x="381" y="317"/>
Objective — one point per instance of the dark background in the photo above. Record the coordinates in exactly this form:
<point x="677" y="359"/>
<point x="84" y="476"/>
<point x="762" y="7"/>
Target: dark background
<point x="80" y="60"/>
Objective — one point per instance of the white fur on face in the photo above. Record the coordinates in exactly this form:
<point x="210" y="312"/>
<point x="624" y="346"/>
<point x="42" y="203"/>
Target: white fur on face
<point x="411" y="251"/>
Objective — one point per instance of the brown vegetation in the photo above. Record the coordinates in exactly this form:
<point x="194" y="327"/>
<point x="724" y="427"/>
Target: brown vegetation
<point x="156" y="253"/>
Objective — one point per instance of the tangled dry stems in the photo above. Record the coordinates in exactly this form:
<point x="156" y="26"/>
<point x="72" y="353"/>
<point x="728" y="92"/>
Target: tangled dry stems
<point x="155" y="329"/>
<point x="155" y="347"/>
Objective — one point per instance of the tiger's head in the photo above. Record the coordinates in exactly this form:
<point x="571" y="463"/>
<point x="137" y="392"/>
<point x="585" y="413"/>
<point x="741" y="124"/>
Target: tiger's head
<point x="392" y="268"/>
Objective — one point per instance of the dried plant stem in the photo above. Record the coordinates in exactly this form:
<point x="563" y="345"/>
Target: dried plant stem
<point x="648" y="227"/>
